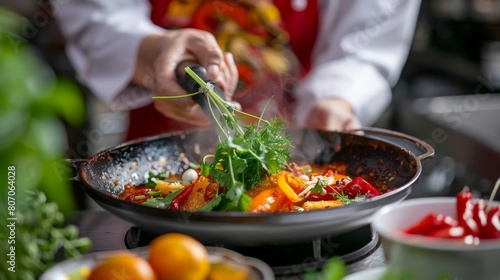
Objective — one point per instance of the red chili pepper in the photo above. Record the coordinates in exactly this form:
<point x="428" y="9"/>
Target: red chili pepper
<point x="133" y="196"/>
<point x="210" y="191"/>
<point x="181" y="197"/>
<point x="479" y="215"/>
<point x="448" y="232"/>
<point x="492" y="228"/>
<point x="360" y="186"/>
<point x="431" y="223"/>
<point x="330" y="194"/>
<point x="463" y="197"/>
<point x="465" y="217"/>
<point x="318" y="197"/>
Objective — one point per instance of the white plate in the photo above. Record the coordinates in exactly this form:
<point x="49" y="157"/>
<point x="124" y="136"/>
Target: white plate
<point x="258" y="270"/>
<point x="369" y="274"/>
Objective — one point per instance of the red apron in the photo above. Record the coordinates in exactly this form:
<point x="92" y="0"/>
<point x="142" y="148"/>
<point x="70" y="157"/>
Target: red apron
<point x="301" y="26"/>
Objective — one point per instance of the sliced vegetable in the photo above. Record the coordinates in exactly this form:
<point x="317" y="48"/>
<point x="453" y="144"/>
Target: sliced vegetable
<point x="162" y="202"/>
<point x="181" y="197"/>
<point x="211" y="190"/>
<point x="198" y="197"/>
<point x="360" y="186"/>
<point x="153" y="178"/>
<point x="168" y="187"/>
<point x="286" y="188"/>
<point x="331" y="193"/>
<point x="139" y="196"/>
<point x="322" y="204"/>
<point x="268" y="200"/>
<point x="294" y="181"/>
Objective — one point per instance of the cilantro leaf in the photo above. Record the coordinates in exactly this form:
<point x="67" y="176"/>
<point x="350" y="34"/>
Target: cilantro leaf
<point x="319" y="187"/>
<point x="211" y="204"/>
<point x="344" y="198"/>
<point x="153" y="178"/>
<point x="235" y="192"/>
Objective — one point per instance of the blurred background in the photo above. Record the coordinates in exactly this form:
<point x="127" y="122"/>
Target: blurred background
<point x="447" y="94"/>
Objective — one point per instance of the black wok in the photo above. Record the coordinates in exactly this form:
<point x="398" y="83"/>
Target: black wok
<point x="104" y="175"/>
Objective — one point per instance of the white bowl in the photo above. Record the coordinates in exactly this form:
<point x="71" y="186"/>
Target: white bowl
<point x="420" y="257"/>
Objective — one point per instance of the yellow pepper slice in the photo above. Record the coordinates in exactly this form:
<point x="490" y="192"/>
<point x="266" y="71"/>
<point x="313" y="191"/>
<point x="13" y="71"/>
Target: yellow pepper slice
<point x="322" y="204"/>
<point x="285" y="187"/>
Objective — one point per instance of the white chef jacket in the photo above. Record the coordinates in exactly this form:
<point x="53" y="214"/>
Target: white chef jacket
<point x="361" y="48"/>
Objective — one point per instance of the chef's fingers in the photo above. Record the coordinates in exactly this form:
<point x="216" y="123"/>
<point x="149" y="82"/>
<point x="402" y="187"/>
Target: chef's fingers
<point x="333" y="115"/>
<point x="351" y="123"/>
<point x="227" y="80"/>
<point x="206" y="50"/>
<point x="231" y="74"/>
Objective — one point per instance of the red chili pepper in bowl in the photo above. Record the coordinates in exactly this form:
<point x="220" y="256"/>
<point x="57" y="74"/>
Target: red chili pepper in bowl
<point x="360" y="186"/>
<point x="432" y="223"/>
<point x="181" y="197"/>
<point x="463" y="197"/>
<point x="492" y="228"/>
<point x="465" y="217"/>
<point x="475" y="221"/>
<point x="456" y="232"/>
<point x="479" y="215"/>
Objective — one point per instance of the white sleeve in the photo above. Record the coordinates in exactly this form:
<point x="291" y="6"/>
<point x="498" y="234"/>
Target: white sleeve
<point x="359" y="54"/>
<point x="103" y="38"/>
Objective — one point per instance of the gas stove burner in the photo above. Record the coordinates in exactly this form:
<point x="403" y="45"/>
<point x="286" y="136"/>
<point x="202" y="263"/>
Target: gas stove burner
<point x="296" y="258"/>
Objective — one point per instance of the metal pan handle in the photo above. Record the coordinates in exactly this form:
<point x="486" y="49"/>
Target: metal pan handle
<point x="69" y="169"/>
<point x="421" y="149"/>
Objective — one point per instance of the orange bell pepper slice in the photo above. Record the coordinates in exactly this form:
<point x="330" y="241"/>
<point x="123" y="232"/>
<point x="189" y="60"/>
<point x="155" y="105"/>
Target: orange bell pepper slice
<point x="293" y="181"/>
<point x="268" y="200"/>
<point x="286" y="188"/>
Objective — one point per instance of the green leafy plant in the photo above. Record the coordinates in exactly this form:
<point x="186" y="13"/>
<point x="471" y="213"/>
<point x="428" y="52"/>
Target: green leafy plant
<point x="40" y="234"/>
<point x="33" y="103"/>
<point x="333" y="269"/>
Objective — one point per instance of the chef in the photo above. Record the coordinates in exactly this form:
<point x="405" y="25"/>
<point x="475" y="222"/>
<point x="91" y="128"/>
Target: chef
<point x="316" y="63"/>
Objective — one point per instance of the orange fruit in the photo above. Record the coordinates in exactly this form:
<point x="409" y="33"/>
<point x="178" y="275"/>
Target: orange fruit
<point x="121" y="266"/>
<point x="178" y="256"/>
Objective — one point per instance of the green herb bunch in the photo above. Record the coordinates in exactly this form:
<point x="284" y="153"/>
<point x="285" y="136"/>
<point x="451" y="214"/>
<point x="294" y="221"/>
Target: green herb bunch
<point x="241" y="162"/>
<point x="40" y="236"/>
<point x="244" y="155"/>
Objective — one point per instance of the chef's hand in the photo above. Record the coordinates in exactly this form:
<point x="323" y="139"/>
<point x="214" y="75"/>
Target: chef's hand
<point x="160" y="54"/>
<point x="332" y="114"/>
